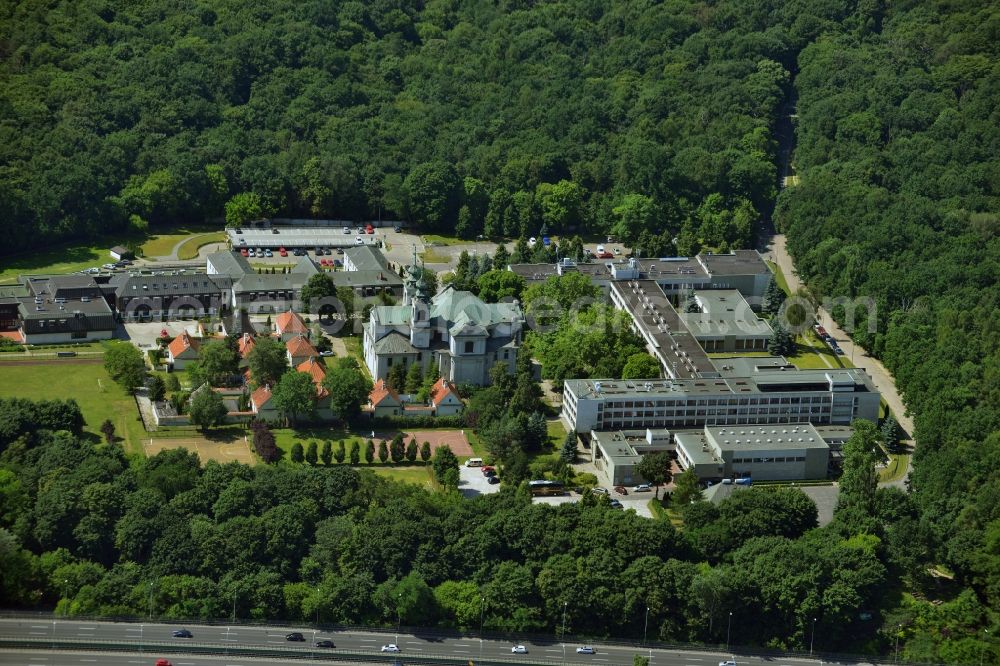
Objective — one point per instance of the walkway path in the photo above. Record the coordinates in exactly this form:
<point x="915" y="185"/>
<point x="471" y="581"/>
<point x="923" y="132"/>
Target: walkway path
<point x="884" y="381"/>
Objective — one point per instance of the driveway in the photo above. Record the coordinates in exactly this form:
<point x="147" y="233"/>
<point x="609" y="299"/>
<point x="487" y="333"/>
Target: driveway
<point x="883" y="379"/>
<point x="638" y="504"/>
<point x="145" y="334"/>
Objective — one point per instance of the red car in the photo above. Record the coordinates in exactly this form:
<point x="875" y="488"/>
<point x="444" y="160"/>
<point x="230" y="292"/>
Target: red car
<point x="369" y="229"/>
<point x="488" y="468"/>
<point x="244" y="252"/>
<point x="163" y="662"/>
<point x="282" y="251"/>
<point x="605" y="255"/>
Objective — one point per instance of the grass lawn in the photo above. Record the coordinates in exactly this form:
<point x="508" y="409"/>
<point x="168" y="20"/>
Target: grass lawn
<point x="87" y="383"/>
<point x="557" y="432"/>
<point x="162" y="242"/>
<point x="189" y="250"/>
<point x="442" y="240"/>
<point x="353" y="345"/>
<point x="894" y="471"/>
<point x="65" y="259"/>
<point x="431" y="257"/>
<point x="421" y="476"/>
<point x="779" y="277"/>
<point x="814" y="353"/>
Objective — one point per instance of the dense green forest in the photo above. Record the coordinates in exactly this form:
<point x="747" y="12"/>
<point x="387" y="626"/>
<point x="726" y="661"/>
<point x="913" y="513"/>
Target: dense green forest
<point x="497" y="117"/>
<point x="649" y="120"/>
<point x="899" y="157"/>
<point x="85" y="528"/>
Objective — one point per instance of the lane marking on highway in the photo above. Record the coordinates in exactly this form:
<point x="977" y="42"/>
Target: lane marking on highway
<point x="88" y="628"/>
<point x="39" y="626"/>
<point x="462" y="651"/>
<point x="417" y="649"/>
<point x="369" y="640"/>
<point x="88" y="660"/>
<point x="39" y="633"/>
<point x="553" y="650"/>
<point x="461" y="645"/>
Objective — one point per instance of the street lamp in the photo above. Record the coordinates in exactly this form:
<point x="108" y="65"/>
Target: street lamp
<point x="729" y="625"/>
<point x="982" y="650"/>
<point x="317" y="606"/>
<point x="482" y="616"/>
<point x="645" y="626"/>
<point x="150" y="601"/>
<point x="234" y="606"/>
<point x="899" y="628"/>
<point x="399" y="616"/>
<point x="813" y="638"/>
<point x="565" y="604"/>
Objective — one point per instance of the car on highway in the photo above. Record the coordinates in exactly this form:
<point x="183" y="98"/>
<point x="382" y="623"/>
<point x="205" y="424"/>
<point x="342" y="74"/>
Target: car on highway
<point x="295" y="637"/>
<point x="643" y="488"/>
<point x="391" y="647"/>
<point x="729" y="662"/>
<point x="182" y="633"/>
<point x="519" y="649"/>
<point x="325" y="643"/>
<point x="163" y="662"/>
<point x="586" y="649"/>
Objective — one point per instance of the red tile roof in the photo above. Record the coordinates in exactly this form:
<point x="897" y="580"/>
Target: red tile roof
<point x="289" y="322"/>
<point x="380" y="392"/>
<point x="246" y="344"/>
<point x="260" y="397"/>
<point x="181" y="344"/>
<point x="299" y="346"/>
<point x="315" y="369"/>
<point x="441" y="389"/>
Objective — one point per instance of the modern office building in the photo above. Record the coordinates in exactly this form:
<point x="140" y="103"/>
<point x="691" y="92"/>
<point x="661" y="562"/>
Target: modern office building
<point x="743" y="270"/>
<point x="835" y="396"/>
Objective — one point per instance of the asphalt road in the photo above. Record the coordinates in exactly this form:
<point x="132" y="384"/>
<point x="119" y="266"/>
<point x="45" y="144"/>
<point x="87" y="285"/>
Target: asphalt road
<point x="154" y="641"/>
<point x="883" y="379"/>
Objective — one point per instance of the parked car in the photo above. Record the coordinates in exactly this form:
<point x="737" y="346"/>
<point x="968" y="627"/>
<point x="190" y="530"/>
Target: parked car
<point x="268" y="253"/>
<point x="391" y="647"/>
<point x="325" y="643"/>
<point x="586" y="649"/>
<point x="282" y="251"/>
<point x="605" y="255"/>
<point x="182" y="633"/>
<point x="838" y="351"/>
<point x="490" y="473"/>
<point x="327" y="352"/>
<point x="485" y="468"/>
<point x="397" y="228"/>
<point x="643" y="488"/>
<point x="347" y="230"/>
<point x="728" y="662"/>
<point x="615" y="504"/>
<point x="125" y="262"/>
<point x="326" y="251"/>
<point x="337" y="262"/>
<point x="600" y="491"/>
<point x="493" y="480"/>
<point x="369" y="229"/>
<point x="532" y="241"/>
<point x="109" y="267"/>
<point x="295" y="637"/>
<point x="359" y="241"/>
<point x="519" y="649"/>
<point x="621" y="490"/>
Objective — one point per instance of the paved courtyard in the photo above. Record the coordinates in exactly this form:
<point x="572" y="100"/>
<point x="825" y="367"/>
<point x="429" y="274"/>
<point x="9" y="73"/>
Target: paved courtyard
<point x="472" y="483"/>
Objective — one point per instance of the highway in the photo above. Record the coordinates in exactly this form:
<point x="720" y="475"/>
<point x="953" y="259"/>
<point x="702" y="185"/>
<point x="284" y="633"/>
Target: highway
<point x="147" y="642"/>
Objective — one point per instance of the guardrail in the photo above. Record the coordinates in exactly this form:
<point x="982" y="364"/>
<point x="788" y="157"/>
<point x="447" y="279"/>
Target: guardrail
<point x="237" y="650"/>
<point x="511" y="638"/>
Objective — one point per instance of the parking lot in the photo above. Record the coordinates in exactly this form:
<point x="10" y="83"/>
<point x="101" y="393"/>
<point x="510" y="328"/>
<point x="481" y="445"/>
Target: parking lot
<point x="302" y="237"/>
<point x="638" y="503"/>
<point x="472" y="483"/>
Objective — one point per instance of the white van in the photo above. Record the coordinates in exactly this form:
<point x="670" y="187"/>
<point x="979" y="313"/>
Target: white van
<point x="600" y="249"/>
<point x="474" y="462"/>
